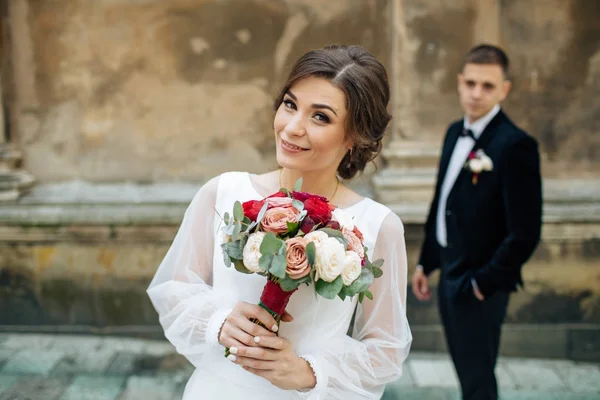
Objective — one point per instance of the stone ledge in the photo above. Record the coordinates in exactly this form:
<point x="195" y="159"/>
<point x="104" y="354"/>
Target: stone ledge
<point x="81" y="203"/>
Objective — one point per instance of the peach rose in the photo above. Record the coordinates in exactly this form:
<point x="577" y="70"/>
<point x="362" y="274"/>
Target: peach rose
<point x="297" y="263"/>
<point x="354" y="242"/>
<point x="276" y="219"/>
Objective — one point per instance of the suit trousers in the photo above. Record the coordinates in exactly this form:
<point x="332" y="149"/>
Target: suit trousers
<point x="472" y="329"/>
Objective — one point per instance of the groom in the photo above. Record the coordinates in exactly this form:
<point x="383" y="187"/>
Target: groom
<point x="484" y="222"/>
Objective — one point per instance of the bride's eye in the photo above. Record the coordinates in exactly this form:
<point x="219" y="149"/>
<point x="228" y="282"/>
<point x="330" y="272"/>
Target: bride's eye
<point x="322" y="117"/>
<point x="289" y="104"/>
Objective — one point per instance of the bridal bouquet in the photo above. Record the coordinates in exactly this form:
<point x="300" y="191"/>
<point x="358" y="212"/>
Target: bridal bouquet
<point x="295" y="238"/>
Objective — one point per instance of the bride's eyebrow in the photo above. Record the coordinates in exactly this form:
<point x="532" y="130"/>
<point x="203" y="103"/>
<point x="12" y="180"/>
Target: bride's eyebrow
<point x="315" y="105"/>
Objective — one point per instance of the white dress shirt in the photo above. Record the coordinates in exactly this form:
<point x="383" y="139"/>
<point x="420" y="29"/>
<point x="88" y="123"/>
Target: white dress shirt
<point x="459" y="156"/>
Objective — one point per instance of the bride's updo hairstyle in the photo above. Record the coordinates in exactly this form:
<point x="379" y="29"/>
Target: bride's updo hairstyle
<point x="364" y="81"/>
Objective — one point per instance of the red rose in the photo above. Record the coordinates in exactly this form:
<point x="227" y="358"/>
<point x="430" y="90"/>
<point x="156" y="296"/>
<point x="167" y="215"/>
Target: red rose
<point x="303" y="196"/>
<point x="318" y="210"/>
<point x="307" y="225"/>
<point x="252" y="208"/>
<point x="278" y="194"/>
<point x="334" y="225"/>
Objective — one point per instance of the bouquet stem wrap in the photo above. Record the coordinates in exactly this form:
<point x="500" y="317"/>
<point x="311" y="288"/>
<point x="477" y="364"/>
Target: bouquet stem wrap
<point x="273" y="299"/>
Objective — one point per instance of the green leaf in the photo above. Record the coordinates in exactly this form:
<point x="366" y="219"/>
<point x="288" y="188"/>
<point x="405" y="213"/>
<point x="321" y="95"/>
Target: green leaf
<point x="226" y="258"/>
<point x="332" y="233"/>
<point x="363" y="282"/>
<point x="377" y="272"/>
<point x="236" y="231"/>
<point x="342" y="295"/>
<point x="311" y="253"/>
<point x="292" y="227"/>
<point x="238" y="211"/>
<point x="270" y="244"/>
<point x="262" y="212"/>
<point x="368" y="294"/>
<point x="377" y="263"/>
<point x="264" y="262"/>
<point x="278" y="265"/>
<point x="298" y="204"/>
<point x="329" y="289"/>
<point x="298" y="185"/>
<point x="226" y="218"/>
<point x="361" y="297"/>
<point x="233" y="249"/>
<point x="240" y="267"/>
<point x="285" y="191"/>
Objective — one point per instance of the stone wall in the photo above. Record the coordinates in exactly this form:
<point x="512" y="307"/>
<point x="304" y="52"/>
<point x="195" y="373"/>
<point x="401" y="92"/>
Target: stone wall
<point x="154" y="90"/>
<point x="166" y="90"/>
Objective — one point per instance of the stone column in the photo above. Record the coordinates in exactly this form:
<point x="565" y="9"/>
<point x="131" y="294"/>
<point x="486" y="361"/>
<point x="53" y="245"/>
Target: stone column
<point x="406" y="182"/>
<point x="14" y="180"/>
<point x="424" y="99"/>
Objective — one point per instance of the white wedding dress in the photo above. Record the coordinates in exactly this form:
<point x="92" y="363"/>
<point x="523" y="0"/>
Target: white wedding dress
<point x="194" y="292"/>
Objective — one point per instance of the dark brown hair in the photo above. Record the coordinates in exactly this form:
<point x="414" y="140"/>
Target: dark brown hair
<point x="488" y="54"/>
<point x="364" y="81"/>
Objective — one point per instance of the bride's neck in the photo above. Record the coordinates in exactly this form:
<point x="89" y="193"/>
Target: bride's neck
<point x="322" y="184"/>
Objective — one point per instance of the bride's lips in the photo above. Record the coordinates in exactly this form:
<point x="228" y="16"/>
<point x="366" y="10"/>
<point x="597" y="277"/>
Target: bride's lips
<point x="291" y="148"/>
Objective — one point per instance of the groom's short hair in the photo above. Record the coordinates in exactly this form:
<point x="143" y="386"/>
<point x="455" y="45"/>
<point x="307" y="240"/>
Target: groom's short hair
<point x="488" y="54"/>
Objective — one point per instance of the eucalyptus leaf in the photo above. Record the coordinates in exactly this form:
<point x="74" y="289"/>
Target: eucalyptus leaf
<point x="298" y="204"/>
<point x="262" y="212"/>
<point x="264" y="262"/>
<point x="240" y="267"/>
<point x="329" y="289"/>
<point x="236" y="230"/>
<point x="270" y="244"/>
<point x="368" y="294"/>
<point x="233" y="249"/>
<point x="278" y="265"/>
<point x="285" y="191"/>
<point x="377" y="272"/>
<point x="288" y="284"/>
<point x="363" y="282"/>
<point x="311" y="254"/>
<point x="361" y="297"/>
<point x="226" y="258"/>
<point x="332" y="233"/>
<point x="226" y="218"/>
<point x="377" y="263"/>
<point x="238" y="211"/>
<point x="298" y="185"/>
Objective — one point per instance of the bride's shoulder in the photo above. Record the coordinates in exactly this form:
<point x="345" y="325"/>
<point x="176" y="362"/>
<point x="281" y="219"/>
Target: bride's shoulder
<point x="382" y="215"/>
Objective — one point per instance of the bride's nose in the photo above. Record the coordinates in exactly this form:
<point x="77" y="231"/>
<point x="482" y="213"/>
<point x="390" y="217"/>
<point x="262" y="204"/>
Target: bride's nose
<point x="296" y="126"/>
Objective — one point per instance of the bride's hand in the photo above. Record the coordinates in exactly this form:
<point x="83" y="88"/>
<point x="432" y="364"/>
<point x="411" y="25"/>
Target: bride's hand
<point x="238" y="330"/>
<point x="276" y="361"/>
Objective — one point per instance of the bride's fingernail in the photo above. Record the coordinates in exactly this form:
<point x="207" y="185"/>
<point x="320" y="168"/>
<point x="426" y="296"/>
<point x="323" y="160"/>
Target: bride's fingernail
<point x="231" y="358"/>
<point x="275" y="328"/>
<point x="233" y="350"/>
<point x="256" y="339"/>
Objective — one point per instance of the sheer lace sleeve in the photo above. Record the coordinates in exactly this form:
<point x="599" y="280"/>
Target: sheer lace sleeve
<point x="358" y="367"/>
<point x="181" y="291"/>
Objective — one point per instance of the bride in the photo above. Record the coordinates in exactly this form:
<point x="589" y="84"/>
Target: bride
<point x="330" y="118"/>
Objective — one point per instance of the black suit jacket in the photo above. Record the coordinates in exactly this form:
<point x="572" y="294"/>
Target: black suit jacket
<point x="493" y="226"/>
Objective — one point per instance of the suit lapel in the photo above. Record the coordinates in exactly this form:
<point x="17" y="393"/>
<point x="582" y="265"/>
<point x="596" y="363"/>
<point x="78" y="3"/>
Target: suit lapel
<point x="453" y="136"/>
<point x="481" y="143"/>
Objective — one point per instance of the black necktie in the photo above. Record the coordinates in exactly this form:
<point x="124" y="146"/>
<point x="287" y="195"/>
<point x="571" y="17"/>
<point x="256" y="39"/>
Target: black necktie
<point x="467" y="132"/>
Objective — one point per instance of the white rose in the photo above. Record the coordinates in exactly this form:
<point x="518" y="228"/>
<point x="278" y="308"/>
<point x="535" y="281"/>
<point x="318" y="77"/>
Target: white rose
<point x="352" y="268"/>
<point x="251" y="252"/>
<point x="343" y="218"/>
<point x="317" y="237"/>
<point x="476" y="165"/>
<point x="329" y="262"/>
<point x="487" y="163"/>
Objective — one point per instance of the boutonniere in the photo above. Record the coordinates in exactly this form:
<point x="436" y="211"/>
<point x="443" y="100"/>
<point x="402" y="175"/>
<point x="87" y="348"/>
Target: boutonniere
<point x="477" y="162"/>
